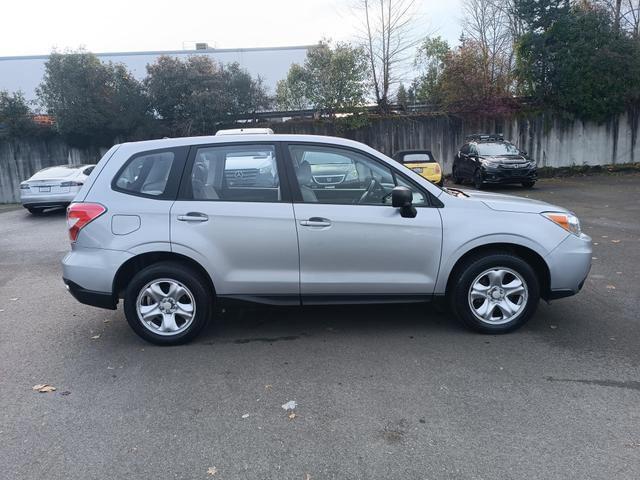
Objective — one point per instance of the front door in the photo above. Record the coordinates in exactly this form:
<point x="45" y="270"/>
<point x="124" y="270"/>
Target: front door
<point x="352" y="242"/>
<point x="233" y="218"/>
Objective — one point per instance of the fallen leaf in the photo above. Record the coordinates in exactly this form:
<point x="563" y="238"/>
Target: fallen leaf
<point x="44" y="388"/>
<point x="605" y="236"/>
<point x="111" y="368"/>
<point x="611" y="287"/>
<point x="246" y="415"/>
<point x="615" y="241"/>
<point x="106" y="321"/>
<point x="307" y="476"/>
<point x="212" y="471"/>
<point x="13" y="299"/>
<point x="1" y="310"/>
<point x="95" y="337"/>
<point x="595" y="243"/>
<point x="292" y="415"/>
<point x="65" y="393"/>
<point x="268" y="387"/>
<point x="594" y="258"/>
<point x="553" y="326"/>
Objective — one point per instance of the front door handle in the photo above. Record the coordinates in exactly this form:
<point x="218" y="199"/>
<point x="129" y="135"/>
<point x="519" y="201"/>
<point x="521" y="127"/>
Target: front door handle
<point x="193" y="217"/>
<point x="316" y="222"/>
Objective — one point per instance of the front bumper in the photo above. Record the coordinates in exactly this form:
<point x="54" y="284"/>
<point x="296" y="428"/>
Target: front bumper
<point x="509" y="175"/>
<point x="569" y="265"/>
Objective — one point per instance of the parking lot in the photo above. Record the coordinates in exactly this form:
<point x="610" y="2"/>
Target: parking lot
<point x="382" y="392"/>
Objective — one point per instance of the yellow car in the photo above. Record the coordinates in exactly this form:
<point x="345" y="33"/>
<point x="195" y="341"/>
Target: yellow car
<point x="421" y="162"/>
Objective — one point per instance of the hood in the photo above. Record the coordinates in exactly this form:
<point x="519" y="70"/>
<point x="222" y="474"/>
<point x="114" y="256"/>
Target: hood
<point x="511" y="203"/>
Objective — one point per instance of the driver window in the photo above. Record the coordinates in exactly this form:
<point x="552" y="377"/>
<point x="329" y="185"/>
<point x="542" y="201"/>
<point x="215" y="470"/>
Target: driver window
<point x="340" y="176"/>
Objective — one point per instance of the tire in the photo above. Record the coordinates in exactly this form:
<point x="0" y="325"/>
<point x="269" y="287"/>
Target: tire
<point x="479" y="278"/>
<point x="456" y="178"/>
<point x="154" y="285"/>
<point x="528" y="184"/>
<point x="35" y="211"/>
<point x="478" y="181"/>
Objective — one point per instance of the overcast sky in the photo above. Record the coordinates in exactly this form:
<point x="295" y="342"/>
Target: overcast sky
<point x="32" y="27"/>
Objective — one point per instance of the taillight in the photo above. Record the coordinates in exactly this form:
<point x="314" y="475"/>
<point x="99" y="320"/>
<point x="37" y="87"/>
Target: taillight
<point x="80" y="215"/>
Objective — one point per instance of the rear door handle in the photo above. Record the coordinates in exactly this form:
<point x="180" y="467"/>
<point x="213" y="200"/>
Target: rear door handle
<point x="316" y="222"/>
<point x="193" y="217"/>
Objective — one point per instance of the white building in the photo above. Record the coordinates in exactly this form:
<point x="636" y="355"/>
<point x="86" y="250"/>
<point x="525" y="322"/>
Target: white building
<point x="25" y="73"/>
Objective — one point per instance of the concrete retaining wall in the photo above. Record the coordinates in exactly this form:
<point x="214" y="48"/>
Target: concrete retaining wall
<point x="551" y="142"/>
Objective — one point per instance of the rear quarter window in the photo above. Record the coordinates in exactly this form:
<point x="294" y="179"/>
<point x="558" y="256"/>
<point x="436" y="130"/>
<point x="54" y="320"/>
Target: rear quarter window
<point x="152" y="174"/>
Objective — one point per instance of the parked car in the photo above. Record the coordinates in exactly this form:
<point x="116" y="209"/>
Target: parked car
<point x="53" y="187"/>
<point x="489" y="159"/>
<point x="158" y="225"/>
<point x="423" y="163"/>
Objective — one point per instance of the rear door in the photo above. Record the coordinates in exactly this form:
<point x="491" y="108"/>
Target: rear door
<point x="234" y="216"/>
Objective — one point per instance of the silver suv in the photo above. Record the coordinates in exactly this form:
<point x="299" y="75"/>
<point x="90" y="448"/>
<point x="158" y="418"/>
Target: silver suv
<point x="176" y="227"/>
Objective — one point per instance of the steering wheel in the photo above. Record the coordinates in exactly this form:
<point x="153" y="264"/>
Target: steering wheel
<point x="373" y="184"/>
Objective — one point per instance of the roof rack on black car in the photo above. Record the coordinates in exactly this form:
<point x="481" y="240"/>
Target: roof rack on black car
<point x="485" y="137"/>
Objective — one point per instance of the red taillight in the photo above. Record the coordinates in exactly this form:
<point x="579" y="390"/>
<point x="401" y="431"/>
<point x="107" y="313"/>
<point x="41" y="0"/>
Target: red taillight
<point x="81" y="214"/>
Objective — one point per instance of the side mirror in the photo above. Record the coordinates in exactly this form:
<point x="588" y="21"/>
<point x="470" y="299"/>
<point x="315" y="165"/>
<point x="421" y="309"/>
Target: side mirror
<point x="402" y="198"/>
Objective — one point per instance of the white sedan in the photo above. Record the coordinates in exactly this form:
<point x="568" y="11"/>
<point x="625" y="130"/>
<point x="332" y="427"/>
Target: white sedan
<point x="53" y="187"/>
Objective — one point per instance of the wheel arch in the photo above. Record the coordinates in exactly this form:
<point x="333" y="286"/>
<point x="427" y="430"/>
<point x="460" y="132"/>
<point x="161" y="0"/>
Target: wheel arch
<point x="133" y="265"/>
<point x="529" y="255"/>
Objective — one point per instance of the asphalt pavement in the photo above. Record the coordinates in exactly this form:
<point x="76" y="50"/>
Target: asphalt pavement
<point x="389" y="392"/>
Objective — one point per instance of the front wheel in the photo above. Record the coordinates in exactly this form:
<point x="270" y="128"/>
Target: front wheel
<point x="457" y="179"/>
<point x="494" y="293"/>
<point x="478" y="180"/>
<point x="167" y="303"/>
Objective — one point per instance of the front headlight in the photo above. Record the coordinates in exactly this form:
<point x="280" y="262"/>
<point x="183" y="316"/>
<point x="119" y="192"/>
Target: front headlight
<point x="568" y="221"/>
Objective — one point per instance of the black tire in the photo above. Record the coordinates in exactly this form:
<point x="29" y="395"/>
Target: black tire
<point x="456" y="178"/>
<point x="478" y="180"/>
<point x="35" y="211"/>
<point x="528" y="184"/>
<point x="470" y="270"/>
<point x="187" y="277"/>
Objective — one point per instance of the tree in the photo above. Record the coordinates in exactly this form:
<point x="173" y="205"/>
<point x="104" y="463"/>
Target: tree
<point x="580" y="64"/>
<point x="331" y="80"/>
<point x="15" y="115"/>
<point x="388" y="43"/>
<point x="460" y="84"/>
<point x="193" y="95"/>
<point x="430" y="61"/>
<point x="91" y="101"/>
<point x="487" y="25"/>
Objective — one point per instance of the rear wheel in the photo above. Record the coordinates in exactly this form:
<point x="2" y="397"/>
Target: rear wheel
<point x="494" y="293"/>
<point x="167" y="303"/>
<point x="528" y="184"/>
<point x="478" y="179"/>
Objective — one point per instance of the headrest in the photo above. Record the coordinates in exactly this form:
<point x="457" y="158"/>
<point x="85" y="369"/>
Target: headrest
<point x="200" y="172"/>
<point x="304" y="173"/>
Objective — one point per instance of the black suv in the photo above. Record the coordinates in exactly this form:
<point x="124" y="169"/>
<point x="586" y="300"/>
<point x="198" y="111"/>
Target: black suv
<point x="488" y="159"/>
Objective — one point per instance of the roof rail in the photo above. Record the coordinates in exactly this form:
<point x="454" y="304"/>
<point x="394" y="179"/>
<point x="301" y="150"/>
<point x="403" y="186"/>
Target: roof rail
<point x="485" y="137"/>
<point x="245" y="131"/>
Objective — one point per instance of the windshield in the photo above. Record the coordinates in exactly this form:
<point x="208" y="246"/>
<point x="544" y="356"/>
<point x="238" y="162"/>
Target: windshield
<point x="502" y="148"/>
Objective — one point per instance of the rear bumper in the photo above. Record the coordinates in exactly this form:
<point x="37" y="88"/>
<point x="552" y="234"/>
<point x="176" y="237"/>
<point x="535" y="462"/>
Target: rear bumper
<point x="46" y="200"/>
<point x="91" y="297"/>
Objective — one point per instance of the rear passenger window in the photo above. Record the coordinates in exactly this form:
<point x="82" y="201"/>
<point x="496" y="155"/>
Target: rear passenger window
<point x="241" y="173"/>
<point x="147" y="174"/>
